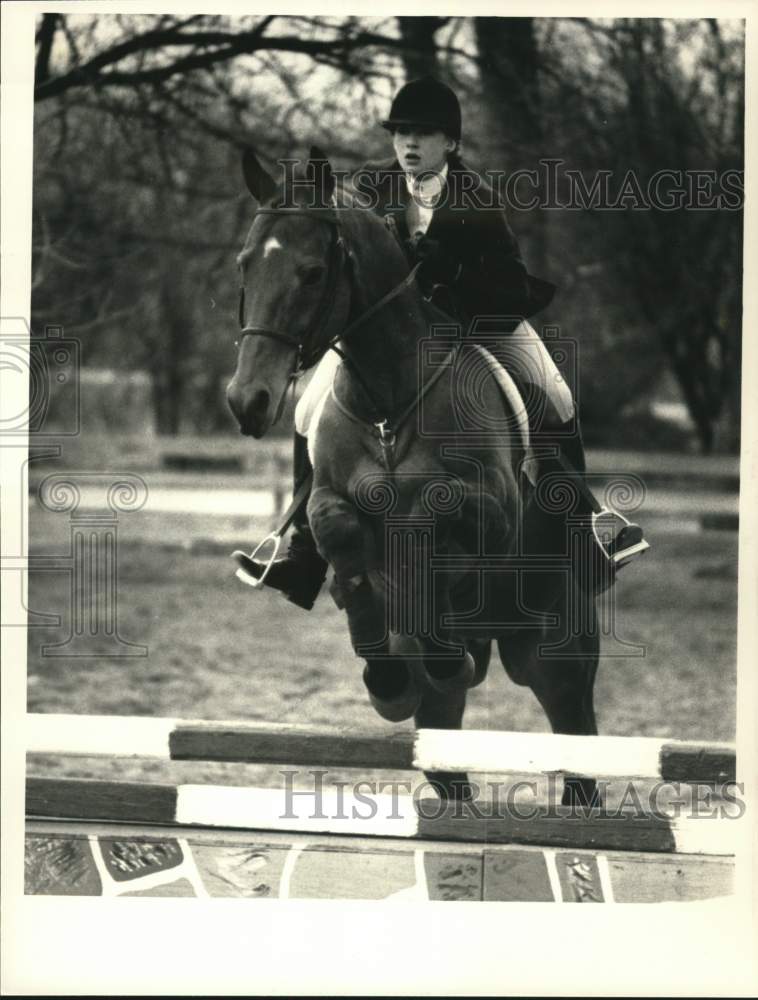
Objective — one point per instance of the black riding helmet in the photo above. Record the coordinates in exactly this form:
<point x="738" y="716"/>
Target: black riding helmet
<point x="428" y="103"/>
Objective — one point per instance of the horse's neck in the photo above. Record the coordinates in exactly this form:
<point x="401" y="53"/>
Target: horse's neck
<point x="383" y="351"/>
<point x="383" y="355"/>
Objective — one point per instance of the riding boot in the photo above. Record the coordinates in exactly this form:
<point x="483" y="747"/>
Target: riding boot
<point x="599" y="560"/>
<point x="301" y="573"/>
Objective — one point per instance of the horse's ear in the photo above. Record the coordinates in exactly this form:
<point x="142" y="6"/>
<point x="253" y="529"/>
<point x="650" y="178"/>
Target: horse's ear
<point x="318" y="155"/>
<point x="260" y="184"/>
<point x="321" y="170"/>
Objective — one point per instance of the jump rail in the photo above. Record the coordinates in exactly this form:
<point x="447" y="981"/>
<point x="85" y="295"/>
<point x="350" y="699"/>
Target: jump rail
<point x="425" y="749"/>
<point x="117" y="838"/>
<point x="372" y="813"/>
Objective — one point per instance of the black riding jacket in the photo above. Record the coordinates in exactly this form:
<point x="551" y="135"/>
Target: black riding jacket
<point x="469" y="246"/>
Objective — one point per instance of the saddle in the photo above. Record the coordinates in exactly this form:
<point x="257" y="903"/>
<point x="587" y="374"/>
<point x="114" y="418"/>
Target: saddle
<point x="610" y="540"/>
<point x="515" y="403"/>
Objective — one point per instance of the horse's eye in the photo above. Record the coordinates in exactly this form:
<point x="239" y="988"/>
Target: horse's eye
<point x="313" y="275"/>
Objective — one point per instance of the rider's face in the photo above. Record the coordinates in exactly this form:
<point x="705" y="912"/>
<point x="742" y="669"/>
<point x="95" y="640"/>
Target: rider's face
<point x="420" y="149"/>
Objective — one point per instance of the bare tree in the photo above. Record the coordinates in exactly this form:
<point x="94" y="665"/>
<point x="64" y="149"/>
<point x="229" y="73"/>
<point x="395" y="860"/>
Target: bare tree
<point x="683" y="266"/>
<point x="509" y="68"/>
<point x="139" y="119"/>
<point x="617" y="96"/>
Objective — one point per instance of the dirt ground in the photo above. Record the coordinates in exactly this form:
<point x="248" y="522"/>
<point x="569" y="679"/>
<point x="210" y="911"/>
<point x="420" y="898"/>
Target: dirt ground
<point x="218" y="650"/>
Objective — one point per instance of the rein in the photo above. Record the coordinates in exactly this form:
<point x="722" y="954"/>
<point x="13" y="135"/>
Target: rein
<point x="388" y="433"/>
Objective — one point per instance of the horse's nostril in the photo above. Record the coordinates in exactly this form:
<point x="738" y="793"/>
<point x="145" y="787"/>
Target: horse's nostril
<point x="260" y="402"/>
<point x="242" y="400"/>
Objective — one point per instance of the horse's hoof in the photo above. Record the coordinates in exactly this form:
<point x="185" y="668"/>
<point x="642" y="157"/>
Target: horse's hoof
<point x="447" y="675"/>
<point x="395" y="696"/>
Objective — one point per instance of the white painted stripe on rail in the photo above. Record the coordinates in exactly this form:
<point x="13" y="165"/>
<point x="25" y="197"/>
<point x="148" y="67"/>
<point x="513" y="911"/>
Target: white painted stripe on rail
<point x="705" y="835"/>
<point x="248" y="503"/>
<point x="99" y="735"/>
<point x="480" y="750"/>
<point x="276" y="809"/>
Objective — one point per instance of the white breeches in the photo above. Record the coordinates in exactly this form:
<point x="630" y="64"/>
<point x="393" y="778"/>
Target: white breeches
<point x="524" y="354"/>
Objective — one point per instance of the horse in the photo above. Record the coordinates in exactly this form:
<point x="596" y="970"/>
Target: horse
<point x="438" y="540"/>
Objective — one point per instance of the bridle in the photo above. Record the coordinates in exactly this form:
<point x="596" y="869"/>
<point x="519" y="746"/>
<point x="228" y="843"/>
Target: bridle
<point x="315" y="344"/>
<point x="311" y="350"/>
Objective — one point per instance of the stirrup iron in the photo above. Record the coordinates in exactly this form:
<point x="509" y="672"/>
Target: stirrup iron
<point x="617" y="559"/>
<point x="299" y="500"/>
<point x="274" y="538"/>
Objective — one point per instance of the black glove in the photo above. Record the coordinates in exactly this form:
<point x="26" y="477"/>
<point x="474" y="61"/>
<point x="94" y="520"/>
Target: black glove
<point x="437" y="266"/>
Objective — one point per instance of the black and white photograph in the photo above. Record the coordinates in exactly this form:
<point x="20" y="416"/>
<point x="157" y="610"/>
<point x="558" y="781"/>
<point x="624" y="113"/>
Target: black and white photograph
<point x="378" y="500"/>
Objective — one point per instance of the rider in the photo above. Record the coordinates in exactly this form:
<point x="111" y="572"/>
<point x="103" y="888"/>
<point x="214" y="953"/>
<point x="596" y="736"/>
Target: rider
<point x="441" y="213"/>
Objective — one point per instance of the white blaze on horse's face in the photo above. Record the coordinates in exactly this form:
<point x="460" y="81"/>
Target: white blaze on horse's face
<point x="271" y="244"/>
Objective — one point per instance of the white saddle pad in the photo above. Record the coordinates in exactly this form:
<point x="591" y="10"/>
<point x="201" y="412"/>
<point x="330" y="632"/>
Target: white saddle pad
<point x="317" y="383"/>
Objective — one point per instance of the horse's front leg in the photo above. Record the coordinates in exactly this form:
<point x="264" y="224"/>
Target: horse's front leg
<point x="338" y="535"/>
<point x="341" y="539"/>
<point x="563" y="686"/>
<point x="444" y="711"/>
<point x="451" y="593"/>
<point x="345" y="541"/>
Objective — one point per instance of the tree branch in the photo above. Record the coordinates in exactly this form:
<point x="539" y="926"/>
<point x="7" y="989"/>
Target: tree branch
<point x="211" y="47"/>
<point x="44" y="40"/>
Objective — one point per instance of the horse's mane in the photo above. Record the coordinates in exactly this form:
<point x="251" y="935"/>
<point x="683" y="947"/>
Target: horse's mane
<point x="345" y="196"/>
<point x="345" y="201"/>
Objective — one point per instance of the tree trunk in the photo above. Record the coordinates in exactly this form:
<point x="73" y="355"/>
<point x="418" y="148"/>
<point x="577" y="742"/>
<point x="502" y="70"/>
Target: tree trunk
<point x="509" y="61"/>
<point x="420" y="52"/>
<point x="509" y="70"/>
<point x="168" y="368"/>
